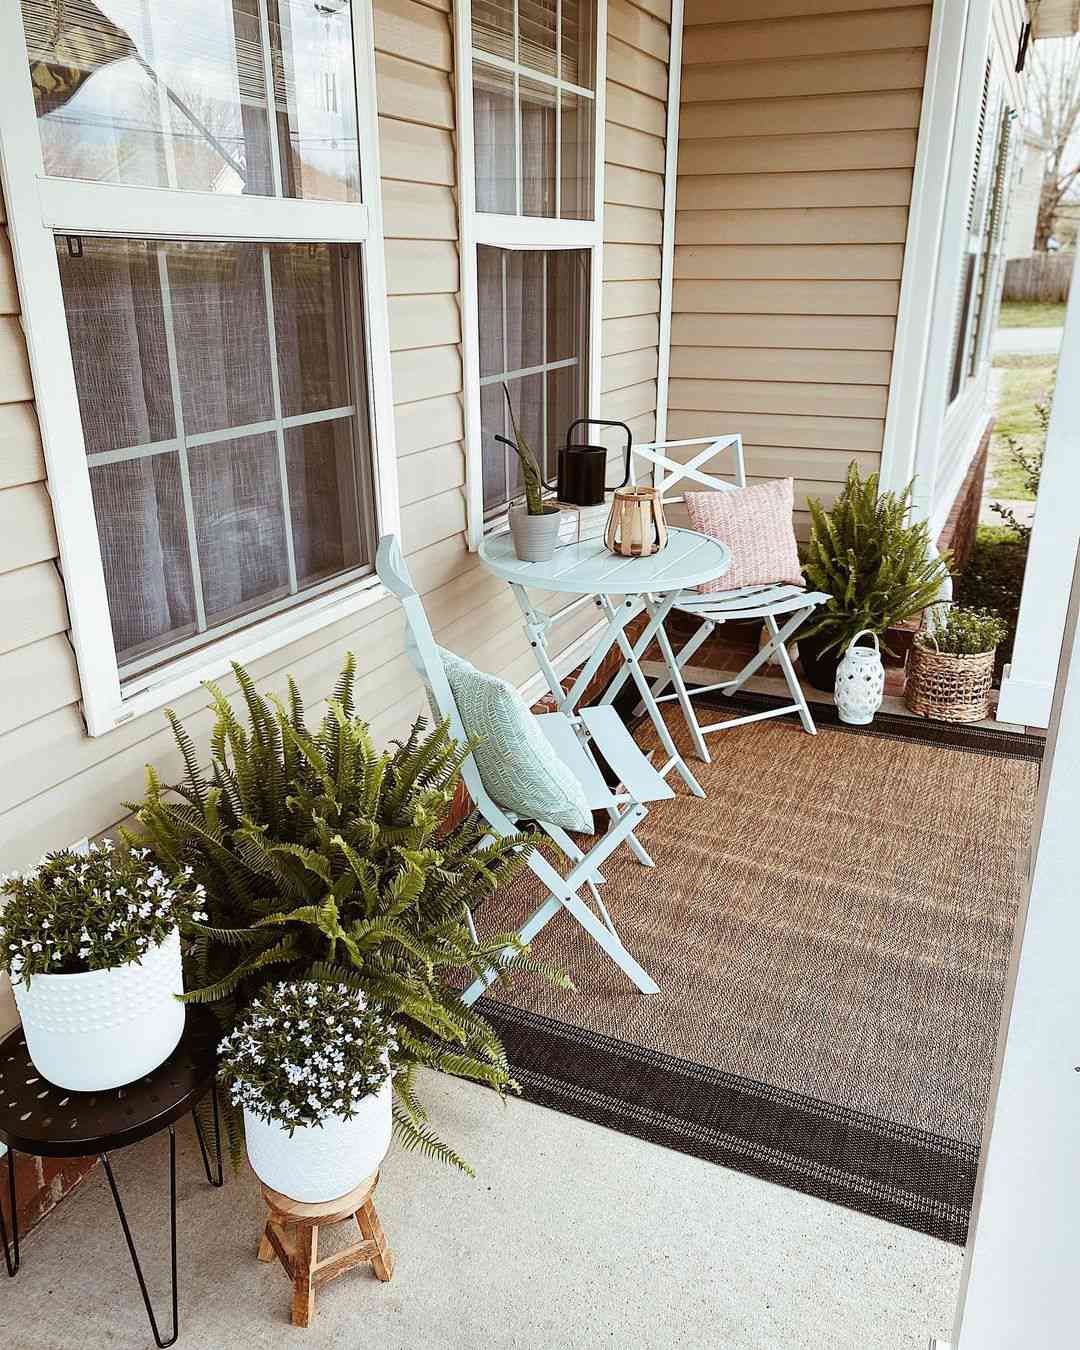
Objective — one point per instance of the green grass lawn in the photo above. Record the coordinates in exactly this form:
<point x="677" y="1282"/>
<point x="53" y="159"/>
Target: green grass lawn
<point x="1026" y="380"/>
<point x="1025" y="314"/>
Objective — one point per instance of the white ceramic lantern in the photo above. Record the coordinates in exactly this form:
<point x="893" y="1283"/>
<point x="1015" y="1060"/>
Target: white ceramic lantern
<point x="860" y="681"/>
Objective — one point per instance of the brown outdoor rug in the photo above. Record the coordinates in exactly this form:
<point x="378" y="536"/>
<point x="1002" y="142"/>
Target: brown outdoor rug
<point x="830" y="929"/>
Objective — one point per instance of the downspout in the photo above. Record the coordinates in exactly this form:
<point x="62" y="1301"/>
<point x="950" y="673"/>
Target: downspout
<point x="667" y="242"/>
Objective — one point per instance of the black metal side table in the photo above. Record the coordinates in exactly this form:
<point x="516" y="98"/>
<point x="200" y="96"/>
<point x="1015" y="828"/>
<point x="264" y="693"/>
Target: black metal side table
<point x="38" y="1118"/>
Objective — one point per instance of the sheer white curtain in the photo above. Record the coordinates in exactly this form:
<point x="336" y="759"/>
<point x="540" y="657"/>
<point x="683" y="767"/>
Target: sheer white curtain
<point x="255" y="485"/>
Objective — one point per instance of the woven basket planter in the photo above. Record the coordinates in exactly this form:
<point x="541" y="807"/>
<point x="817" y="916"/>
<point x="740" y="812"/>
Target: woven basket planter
<point x="949" y="687"/>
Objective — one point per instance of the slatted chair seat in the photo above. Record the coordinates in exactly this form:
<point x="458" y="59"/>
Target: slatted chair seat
<point x="794" y="604"/>
<point x="575" y="740"/>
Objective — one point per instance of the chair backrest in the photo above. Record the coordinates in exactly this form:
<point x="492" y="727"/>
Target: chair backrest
<point x="668" y="471"/>
<point x="423" y="652"/>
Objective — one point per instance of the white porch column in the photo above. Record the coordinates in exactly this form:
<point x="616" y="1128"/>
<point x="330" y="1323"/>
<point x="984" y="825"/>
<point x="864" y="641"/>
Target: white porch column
<point x="1028" y="686"/>
<point x="1023" y="1255"/>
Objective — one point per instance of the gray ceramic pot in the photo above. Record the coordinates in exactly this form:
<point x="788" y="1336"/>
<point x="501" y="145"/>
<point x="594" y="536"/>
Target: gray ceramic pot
<point x="535" y="537"/>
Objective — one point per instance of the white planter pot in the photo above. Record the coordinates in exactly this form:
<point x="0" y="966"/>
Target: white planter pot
<point x="321" y="1162"/>
<point x="104" y="1028"/>
<point x="860" y="682"/>
<point x="535" y="537"/>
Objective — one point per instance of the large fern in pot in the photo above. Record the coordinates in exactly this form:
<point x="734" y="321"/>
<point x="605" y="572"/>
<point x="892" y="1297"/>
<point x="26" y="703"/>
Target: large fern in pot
<point x="325" y="858"/>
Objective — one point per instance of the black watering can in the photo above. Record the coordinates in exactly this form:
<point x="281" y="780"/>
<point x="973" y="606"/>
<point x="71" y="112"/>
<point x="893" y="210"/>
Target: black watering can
<point x="583" y="468"/>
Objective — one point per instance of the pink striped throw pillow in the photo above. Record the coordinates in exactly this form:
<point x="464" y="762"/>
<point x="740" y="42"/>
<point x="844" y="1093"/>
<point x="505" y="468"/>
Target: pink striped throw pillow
<point x="756" y="524"/>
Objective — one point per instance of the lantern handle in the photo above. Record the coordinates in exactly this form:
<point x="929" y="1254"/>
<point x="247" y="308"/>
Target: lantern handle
<point x="862" y="632"/>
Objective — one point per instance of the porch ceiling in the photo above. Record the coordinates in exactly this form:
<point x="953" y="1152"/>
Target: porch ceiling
<point x="1054" y="18"/>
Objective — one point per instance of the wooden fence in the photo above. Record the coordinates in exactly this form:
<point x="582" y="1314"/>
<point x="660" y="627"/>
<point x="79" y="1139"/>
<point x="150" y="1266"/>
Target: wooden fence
<point x="1043" y="278"/>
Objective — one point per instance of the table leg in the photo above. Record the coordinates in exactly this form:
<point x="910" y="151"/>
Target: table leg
<point x="214" y="1178"/>
<point x="162" y="1344"/>
<point x="631" y="655"/>
<point x="11" y="1255"/>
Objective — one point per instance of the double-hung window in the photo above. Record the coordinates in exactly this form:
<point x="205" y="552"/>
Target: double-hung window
<point x="193" y="197"/>
<point x="530" y="99"/>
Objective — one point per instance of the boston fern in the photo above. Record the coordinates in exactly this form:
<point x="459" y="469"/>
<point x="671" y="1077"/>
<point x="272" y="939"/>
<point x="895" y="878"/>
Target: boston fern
<point x="871" y="560"/>
<point x="326" y="859"/>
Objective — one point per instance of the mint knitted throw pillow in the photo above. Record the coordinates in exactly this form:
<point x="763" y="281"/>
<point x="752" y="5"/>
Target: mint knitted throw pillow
<point x="517" y="765"/>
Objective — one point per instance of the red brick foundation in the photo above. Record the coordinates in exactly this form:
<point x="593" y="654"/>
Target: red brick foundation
<point x="40" y="1185"/>
<point x="958" y="535"/>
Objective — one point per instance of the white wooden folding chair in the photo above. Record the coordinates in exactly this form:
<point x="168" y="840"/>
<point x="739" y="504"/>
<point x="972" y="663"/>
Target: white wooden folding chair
<point x="792" y="604"/>
<point x="572" y="739"/>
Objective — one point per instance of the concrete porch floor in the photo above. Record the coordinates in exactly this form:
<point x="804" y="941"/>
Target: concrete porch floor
<point x="571" y="1236"/>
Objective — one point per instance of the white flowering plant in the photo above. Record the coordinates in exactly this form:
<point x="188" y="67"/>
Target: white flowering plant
<point x="77" y="912"/>
<point x="304" y="1051"/>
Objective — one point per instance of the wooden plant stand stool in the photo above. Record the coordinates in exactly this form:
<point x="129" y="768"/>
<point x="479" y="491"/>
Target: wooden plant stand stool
<point x="292" y="1235"/>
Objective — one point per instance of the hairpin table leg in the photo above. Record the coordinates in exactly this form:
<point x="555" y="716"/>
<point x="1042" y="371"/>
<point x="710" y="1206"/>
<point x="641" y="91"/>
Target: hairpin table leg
<point x="11" y="1254"/>
<point x="218" y="1178"/>
<point x="131" y="1243"/>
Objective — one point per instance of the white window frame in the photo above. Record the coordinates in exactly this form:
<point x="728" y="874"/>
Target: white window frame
<point x="517" y="232"/>
<point x="38" y="208"/>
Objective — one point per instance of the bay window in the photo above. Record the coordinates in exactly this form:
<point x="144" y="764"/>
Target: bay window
<point x="530" y="102"/>
<point x="194" y="209"/>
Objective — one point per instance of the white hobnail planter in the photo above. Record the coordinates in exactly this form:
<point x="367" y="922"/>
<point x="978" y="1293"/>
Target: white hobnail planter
<point x="321" y="1162"/>
<point x="860" y="682"/>
<point x="102" y="1029"/>
<point x="535" y="537"/>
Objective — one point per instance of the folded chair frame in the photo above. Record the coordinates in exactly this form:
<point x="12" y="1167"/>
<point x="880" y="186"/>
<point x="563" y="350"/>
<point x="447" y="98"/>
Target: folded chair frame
<point x="793" y="604"/>
<point x="625" y="810"/>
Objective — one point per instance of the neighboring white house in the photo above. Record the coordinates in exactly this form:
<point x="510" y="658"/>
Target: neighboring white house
<point x="1024" y="210"/>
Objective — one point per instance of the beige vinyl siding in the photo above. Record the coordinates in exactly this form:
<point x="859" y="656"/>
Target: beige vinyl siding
<point x="56" y="783"/>
<point x="797" y="139"/>
<point x="634" y="141"/>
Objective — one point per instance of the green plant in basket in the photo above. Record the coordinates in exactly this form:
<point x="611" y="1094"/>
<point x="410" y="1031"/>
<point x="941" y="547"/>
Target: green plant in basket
<point x="961" y="631"/>
<point x="874" y="563"/>
<point x="325" y="859"/>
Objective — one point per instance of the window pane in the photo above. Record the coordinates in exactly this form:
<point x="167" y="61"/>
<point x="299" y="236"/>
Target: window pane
<point x="239" y="524"/>
<point x="172" y="93"/>
<point x="313" y="359"/>
<point x="112" y="293"/>
<point x="218" y="300"/>
<point x="524" y="272"/>
<point x="325" y="500"/>
<point x="315" y="99"/>
<point x="538" y="148"/>
<point x="546" y="300"/>
<point x="537" y="35"/>
<point x="577" y="157"/>
<point x="494" y="422"/>
<point x="490" y="292"/>
<point x="493" y="27"/>
<point x="144" y="550"/>
<point x="496" y="155"/>
<point x="264" y="486"/>
<point x="579" y="43"/>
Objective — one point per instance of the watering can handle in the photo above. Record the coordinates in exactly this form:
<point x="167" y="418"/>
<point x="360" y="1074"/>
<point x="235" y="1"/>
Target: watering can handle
<point x="603" y="422"/>
<point x="861" y="633"/>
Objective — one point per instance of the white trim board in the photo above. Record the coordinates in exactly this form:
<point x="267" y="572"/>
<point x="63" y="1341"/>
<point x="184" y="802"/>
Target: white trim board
<point x="36" y="204"/>
<point x="915" y="414"/>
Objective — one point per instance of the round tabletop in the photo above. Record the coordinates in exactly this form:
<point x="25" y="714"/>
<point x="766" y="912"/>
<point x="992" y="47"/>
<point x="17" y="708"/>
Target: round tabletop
<point x="590" y="568"/>
<point x="48" y="1121"/>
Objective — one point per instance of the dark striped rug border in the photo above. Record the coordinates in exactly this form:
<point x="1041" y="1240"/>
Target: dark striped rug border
<point x="905" y="1176"/>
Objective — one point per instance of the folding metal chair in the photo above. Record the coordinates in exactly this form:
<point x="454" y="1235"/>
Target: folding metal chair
<point x="793" y="604"/>
<point x="572" y="738"/>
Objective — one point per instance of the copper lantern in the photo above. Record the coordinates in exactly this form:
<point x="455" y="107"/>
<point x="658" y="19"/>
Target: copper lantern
<point x="636" y="526"/>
